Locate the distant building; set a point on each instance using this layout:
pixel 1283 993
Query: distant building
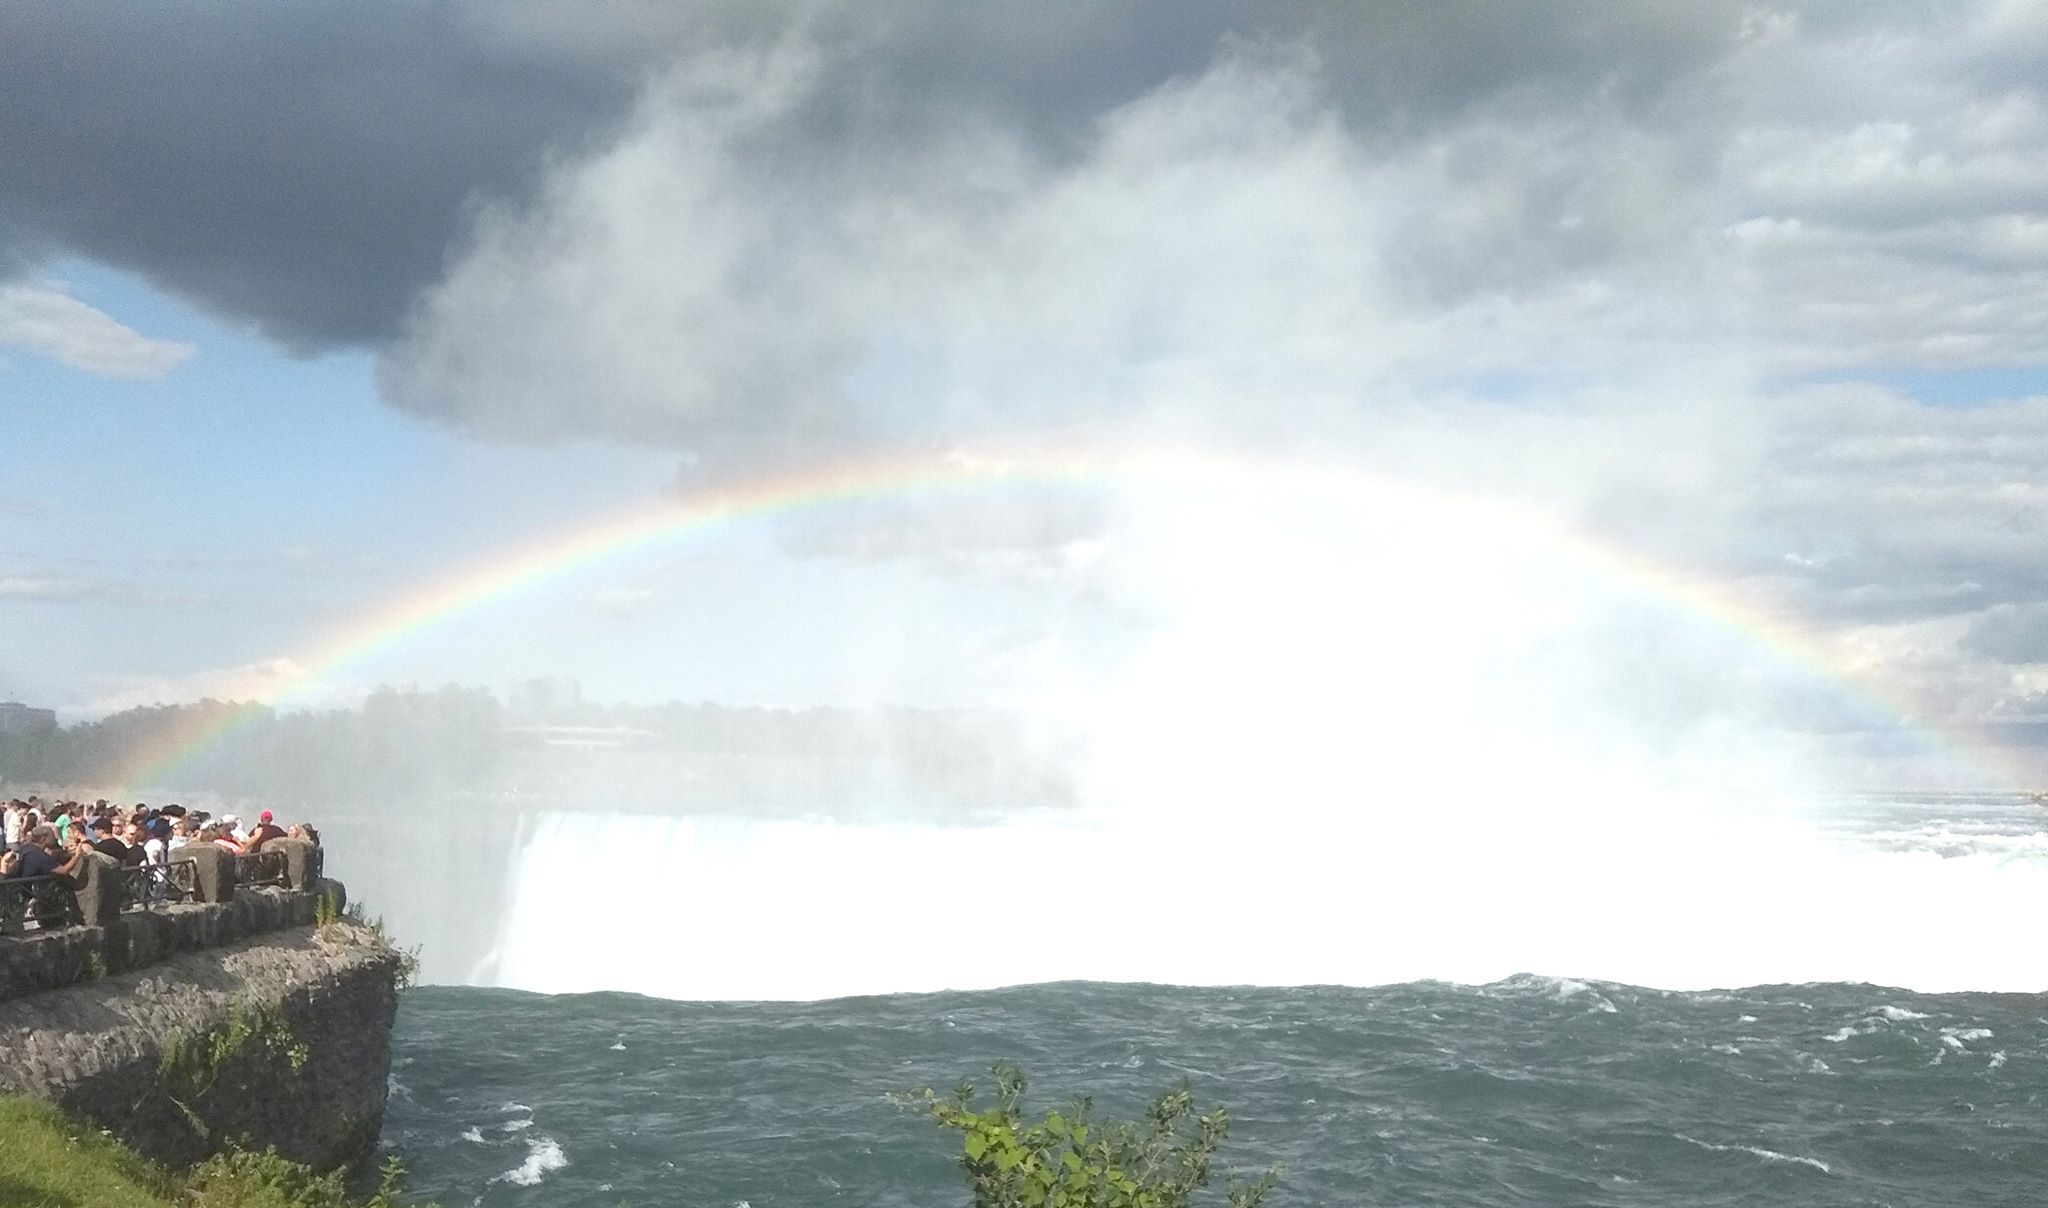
pixel 543 698
pixel 17 718
pixel 585 738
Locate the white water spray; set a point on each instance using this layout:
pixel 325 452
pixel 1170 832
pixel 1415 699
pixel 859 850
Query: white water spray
pixel 1370 745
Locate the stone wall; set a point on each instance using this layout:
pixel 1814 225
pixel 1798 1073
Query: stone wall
pixel 115 941
pixel 236 1018
pixel 282 1039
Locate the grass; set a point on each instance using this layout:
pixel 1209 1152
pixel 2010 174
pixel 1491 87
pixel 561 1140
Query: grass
pixel 49 1161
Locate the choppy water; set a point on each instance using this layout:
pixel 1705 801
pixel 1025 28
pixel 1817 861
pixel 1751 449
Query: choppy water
pixel 1527 1092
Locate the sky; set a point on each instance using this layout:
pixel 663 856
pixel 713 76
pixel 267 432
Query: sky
pixel 1664 371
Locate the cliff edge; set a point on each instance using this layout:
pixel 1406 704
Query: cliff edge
pixel 280 1040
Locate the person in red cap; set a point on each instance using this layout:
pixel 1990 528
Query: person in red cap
pixel 265 831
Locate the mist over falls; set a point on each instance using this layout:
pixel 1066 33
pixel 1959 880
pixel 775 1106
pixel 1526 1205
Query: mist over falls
pixel 728 907
pixel 1354 744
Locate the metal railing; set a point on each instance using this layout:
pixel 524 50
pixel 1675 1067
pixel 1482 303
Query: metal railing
pixel 148 886
pixel 45 903
pixel 263 868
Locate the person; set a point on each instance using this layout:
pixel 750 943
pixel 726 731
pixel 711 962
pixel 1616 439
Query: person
pixel 134 838
pixel 104 842
pixel 157 847
pixel 181 833
pixel 39 854
pixel 265 831
pixel 155 853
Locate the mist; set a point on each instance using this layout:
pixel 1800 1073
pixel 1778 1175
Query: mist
pixel 1433 494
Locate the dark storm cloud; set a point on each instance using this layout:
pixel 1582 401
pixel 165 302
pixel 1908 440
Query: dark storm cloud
pixel 309 167
pixel 301 166
pixel 2010 633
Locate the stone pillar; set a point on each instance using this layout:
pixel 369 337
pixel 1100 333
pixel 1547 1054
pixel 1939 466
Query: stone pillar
pixel 213 869
pixel 301 862
pixel 98 888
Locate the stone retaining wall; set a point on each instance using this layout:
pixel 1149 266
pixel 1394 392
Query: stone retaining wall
pixel 278 1040
pixel 115 941
pixel 232 1019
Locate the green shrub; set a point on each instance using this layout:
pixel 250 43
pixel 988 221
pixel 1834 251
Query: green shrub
pixel 408 958
pixel 241 1179
pixel 1070 1160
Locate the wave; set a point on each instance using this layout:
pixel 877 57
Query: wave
pixel 1768 1155
pixel 542 1156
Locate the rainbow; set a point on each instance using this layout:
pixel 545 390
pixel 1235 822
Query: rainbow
pixel 564 554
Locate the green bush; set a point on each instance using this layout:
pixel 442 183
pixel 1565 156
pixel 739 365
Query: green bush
pixel 241 1179
pixel 1070 1160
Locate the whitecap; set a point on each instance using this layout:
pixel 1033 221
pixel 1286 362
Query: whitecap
pixel 1768 1155
pixel 473 1133
pixel 1956 1038
pixel 1899 1014
pixel 620 1047
pixel 1729 1049
pixel 1844 1034
pixel 542 1156
pixel 1997 1059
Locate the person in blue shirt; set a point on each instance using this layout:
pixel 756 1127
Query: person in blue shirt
pixel 39 856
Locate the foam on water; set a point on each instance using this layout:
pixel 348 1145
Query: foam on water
pixel 1768 1155
pixel 542 1156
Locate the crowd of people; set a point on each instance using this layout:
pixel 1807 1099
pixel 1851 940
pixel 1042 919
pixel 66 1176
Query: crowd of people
pixel 50 838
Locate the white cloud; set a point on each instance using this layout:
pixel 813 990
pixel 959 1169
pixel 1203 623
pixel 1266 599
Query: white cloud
pixel 1562 295
pixel 43 587
pixel 1231 250
pixel 60 588
pixel 265 680
pixel 56 325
